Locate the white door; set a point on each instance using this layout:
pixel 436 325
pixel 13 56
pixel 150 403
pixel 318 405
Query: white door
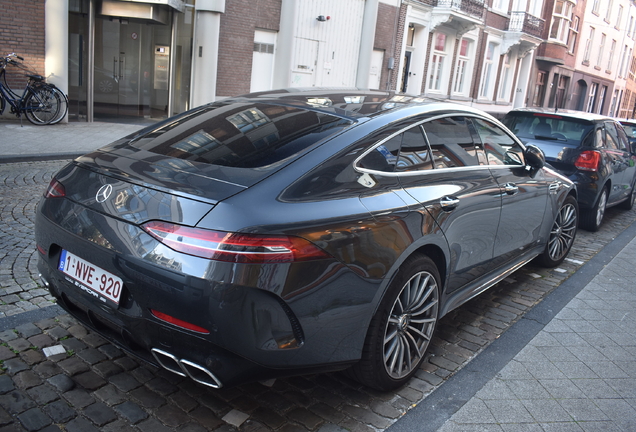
pixel 263 60
pixel 304 69
pixel 375 74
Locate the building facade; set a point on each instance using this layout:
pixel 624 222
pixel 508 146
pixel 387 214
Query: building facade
pixel 138 59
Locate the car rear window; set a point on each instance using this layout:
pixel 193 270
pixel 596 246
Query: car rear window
pixel 548 127
pixel 241 134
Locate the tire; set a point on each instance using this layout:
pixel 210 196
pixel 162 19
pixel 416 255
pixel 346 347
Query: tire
pixel 402 328
pixel 562 234
pixel 42 106
pixel 628 204
pixel 591 218
pixel 63 105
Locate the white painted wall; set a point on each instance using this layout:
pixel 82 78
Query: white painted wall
pixel 56 44
pixel 326 53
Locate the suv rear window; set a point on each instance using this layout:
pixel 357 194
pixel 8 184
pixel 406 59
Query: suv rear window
pixel 241 135
pixel 548 127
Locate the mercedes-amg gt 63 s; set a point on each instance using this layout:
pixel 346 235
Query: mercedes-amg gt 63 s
pixel 294 232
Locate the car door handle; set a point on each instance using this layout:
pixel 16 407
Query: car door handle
pixel 510 188
pixel 449 203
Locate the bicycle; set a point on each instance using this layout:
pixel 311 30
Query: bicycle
pixel 41 102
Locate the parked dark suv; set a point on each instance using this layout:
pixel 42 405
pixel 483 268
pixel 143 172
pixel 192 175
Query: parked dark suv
pixel 286 233
pixel 590 149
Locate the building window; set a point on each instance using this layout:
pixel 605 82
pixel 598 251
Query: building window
pixel 504 81
pixel 539 89
pixel 619 18
pixel 608 12
pixel 601 100
pixel 588 46
pixel 629 28
pixel 487 75
pixel 601 48
pixel 595 6
pixel 574 35
pixel 461 80
pixel 611 56
pixel 591 98
pixel 500 5
pixel 437 63
pixel 561 20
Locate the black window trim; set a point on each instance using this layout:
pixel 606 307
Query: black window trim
pixel 362 170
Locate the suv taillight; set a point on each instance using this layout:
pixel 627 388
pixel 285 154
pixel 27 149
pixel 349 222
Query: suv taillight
pixel 588 160
pixel 55 190
pixel 234 247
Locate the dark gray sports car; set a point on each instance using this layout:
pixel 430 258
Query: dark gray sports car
pixel 288 233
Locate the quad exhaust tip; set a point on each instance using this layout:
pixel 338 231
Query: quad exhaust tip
pixel 186 368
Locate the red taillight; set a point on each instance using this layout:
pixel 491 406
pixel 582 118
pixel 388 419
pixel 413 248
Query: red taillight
pixel 234 247
pixel 180 323
pixel 55 190
pixel 588 160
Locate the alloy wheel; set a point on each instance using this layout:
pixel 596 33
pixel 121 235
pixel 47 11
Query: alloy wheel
pixel 600 208
pixel 411 325
pixel 563 232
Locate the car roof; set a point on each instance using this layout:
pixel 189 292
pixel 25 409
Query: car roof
pixel 564 113
pixel 352 103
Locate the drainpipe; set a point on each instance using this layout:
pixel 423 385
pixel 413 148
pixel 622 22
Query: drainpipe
pixel 367 39
pixel 285 45
pixel 56 44
pixel 205 59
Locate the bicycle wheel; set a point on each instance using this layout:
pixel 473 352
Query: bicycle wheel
pixel 42 105
pixel 63 104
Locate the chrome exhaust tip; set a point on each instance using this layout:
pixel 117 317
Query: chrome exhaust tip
pixel 184 368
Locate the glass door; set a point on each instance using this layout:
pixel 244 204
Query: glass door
pixel 122 69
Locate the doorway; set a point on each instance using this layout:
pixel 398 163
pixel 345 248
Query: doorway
pixel 131 69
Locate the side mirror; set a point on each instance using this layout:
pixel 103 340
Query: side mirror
pixel 535 157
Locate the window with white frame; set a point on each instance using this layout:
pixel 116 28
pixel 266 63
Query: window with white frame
pixel 608 11
pixel 629 28
pixel 504 81
pixel 561 20
pixel 596 6
pixel 610 60
pixel 619 18
pixel 534 8
pixel 601 48
pixel 588 46
pixel 461 81
pixel 436 66
pixel 591 98
pixel 601 100
pixel 574 35
pixel 629 56
pixel 488 71
pixel 500 5
pixel 621 68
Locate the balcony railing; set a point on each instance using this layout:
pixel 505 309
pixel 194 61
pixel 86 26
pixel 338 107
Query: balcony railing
pixel 473 8
pixel 526 23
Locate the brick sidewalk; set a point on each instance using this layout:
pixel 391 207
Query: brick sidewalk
pixel 95 386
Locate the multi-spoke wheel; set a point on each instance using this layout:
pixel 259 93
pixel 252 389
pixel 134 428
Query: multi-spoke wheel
pixel 401 330
pixel 562 234
pixel 591 218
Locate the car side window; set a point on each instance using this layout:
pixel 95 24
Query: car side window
pixel 611 137
pixel 453 143
pixel 500 148
pixel 384 157
pixel 415 154
pixel 623 141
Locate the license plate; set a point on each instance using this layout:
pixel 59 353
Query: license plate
pixel 90 278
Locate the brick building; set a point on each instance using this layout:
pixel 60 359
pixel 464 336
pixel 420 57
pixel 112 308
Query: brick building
pixel 121 59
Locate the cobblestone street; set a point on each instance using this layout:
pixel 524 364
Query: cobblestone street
pixel 92 385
